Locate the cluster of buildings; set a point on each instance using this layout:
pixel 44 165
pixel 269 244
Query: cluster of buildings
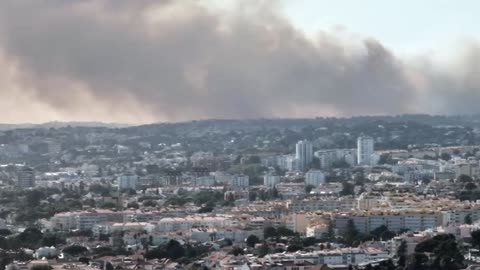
pixel 313 192
pixel 309 217
pixel 303 158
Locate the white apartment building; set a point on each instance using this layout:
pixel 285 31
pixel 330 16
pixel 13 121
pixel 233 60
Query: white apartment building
pixel 297 222
pixel 470 168
pixel 413 239
pixel 369 201
pixel 343 256
pixel 237 235
pixel 290 163
pixel 314 178
pixel 240 182
pixel 322 204
pixel 365 150
pixel 271 180
pixel 84 220
pixel 457 216
pixel 3 224
pixel 26 178
pixel 394 221
pixel 205 181
pixel 328 157
pixel 222 177
pixel 127 181
pixel 303 155
pixel 64 221
pixel 286 162
pixel 187 223
pixel 318 231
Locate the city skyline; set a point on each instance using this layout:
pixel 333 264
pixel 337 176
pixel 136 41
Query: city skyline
pixel 324 193
pixel 145 62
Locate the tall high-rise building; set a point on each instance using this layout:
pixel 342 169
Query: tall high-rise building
pixel 304 155
pixel 365 151
pixel 26 178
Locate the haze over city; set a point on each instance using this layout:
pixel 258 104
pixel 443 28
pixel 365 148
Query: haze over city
pixel 151 61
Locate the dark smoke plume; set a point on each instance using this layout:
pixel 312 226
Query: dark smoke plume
pixel 143 61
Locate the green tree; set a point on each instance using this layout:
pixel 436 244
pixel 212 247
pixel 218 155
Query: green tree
pixel 470 186
pixel 254 160
pixel 269 232
pixel 347 189
pixel 382 233
pixel 104 237
pixel 294 247
pixel 445 252
pixel 426 180
pixel 109 205
pixel 172 201
pixel 274 193
pixel 402 254
pixel 340 164
pixel 252 196
pixel 5 232
pixel 283 231
pixel 351 233
pixel 33 197
pixel 205 209
pixel 157 253
pixel 204 197
pixel 252 240
pixel 446 156
pixel 476 238
pixel 463 178
pixel 153 169
pixel 75 250
pixel 315 163
pixel 468 219
pixel 263 250
pixel 447 256
pixel 30 238
pixel 99 189
pixel 50 240
pixel 236 251
pixel 133 205
pixel 309 241
pixel 174 249
pixel 308 189
pixel 262 195
pixel 230 199
pixel 420 262
pixel 331 230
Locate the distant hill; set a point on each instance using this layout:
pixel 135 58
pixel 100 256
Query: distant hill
pixel 226 125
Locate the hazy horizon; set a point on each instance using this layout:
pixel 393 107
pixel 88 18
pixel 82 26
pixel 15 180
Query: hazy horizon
pixel 120 124
pixel 137 62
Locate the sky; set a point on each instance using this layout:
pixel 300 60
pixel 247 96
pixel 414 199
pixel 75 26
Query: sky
pixel 163 60
pixel 408 26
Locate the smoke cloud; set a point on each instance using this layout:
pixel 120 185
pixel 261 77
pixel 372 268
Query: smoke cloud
pixel 146 61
